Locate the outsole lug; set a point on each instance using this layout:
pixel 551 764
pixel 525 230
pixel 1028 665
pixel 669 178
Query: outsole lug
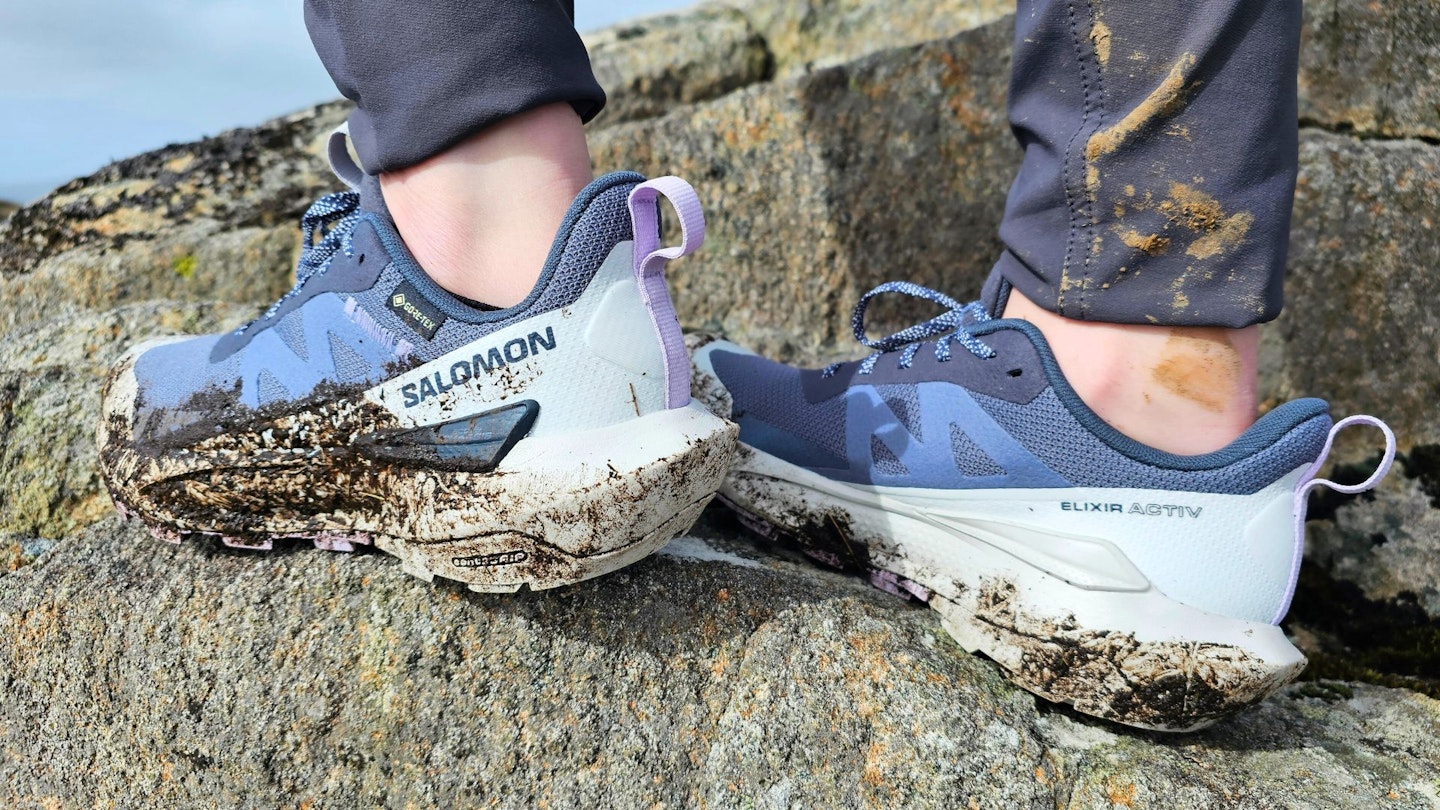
pixel 481 588
pixel 336 542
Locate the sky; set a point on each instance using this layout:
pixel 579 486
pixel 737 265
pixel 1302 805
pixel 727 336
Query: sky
pixel 86 82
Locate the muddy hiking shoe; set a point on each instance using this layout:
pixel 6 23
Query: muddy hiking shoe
pixel 536 446
pixel 957 466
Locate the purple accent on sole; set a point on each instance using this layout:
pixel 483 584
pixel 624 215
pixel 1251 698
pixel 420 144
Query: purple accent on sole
pixel 650 261
pixel 331 541
pixel 893 583
pixel 165 535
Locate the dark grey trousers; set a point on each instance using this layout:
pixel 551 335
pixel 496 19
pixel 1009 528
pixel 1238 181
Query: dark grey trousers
pixel 426 75
pixel 1160 136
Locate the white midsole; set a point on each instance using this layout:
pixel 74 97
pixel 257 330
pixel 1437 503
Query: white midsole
pixel 961 544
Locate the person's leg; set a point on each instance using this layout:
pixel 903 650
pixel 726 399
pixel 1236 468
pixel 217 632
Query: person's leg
pixel 473 239
pixel 1146 232
pixel 472 119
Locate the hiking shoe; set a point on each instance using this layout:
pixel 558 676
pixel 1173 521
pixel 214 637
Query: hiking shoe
pixel 538 445
pixel 956 465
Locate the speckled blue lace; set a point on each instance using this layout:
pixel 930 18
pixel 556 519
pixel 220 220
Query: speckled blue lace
pixel 950 327
pixel 334 215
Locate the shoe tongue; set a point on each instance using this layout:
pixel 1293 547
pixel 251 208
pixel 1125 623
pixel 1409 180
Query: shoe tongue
pixel 372 200
pixel 994 294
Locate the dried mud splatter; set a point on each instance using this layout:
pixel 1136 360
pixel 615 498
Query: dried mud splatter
pixel 1167 685
pixel 1100 40
pixel 1202 367
pixel 1166 100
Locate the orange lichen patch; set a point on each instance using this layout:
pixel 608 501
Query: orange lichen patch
pixel 1164 101
pixel 1152 243
pixel 128 221
pixel 179 164
pixel 1181 302
pixel 1122 795
pixel 1100 38
pixel 1129 190
pixel 1202 366
pixel 872 775
pixel 957 79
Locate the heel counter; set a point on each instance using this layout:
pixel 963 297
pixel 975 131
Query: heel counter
pixel 1275 539
pixel 650 259
pixel 620 334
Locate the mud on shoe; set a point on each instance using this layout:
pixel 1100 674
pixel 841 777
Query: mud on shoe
pixel 957 466
pixel 536 446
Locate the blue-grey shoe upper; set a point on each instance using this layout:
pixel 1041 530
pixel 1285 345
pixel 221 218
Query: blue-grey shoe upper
pixel 958 419
pixel 366 312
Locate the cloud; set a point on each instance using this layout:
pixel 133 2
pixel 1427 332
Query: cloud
pixel 85 81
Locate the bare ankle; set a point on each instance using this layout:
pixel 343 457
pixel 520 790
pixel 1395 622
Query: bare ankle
pixel 1184 390
pixel 481 216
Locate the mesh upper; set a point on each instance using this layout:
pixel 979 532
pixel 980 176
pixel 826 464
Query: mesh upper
pixel 969 458
pixel 1047 433
pixel 772 393
pixel 354 337
pixel 1052 434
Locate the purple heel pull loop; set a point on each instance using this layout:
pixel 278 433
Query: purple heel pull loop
pixel 337 149
pixel 650 260
pixel 1309 482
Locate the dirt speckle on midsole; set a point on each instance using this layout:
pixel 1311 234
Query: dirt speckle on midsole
pixel 1159 684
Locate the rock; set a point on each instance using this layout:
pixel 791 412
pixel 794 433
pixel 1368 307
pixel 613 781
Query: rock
pixel 714 674
pixel 836 152
pixel 1388 544
pixel 1358 325
pixel 7 208
pixel 50 379
pixel 812 196
pixel 211 220
pixel 650 64
pixel 811 34
pixel 1372 68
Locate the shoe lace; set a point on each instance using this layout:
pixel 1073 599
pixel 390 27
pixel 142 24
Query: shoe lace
pixel 332 219
pixel 952 326
pixel 335 216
